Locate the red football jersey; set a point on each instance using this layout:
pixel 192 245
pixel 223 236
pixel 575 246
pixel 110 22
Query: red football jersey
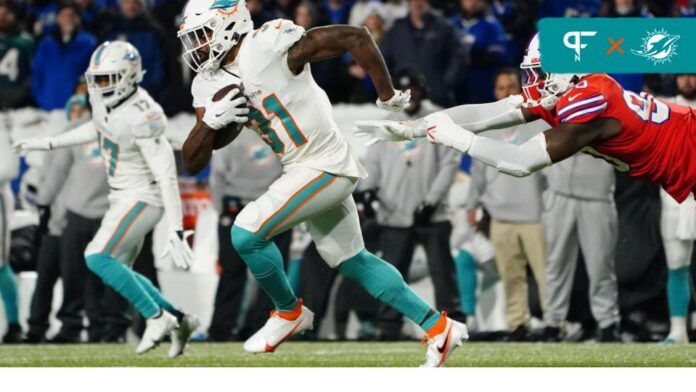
pixel 657 141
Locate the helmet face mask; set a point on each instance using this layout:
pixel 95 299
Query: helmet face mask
pixel 539 87
pixel 114 72
pixel 210 30
pixel 198 53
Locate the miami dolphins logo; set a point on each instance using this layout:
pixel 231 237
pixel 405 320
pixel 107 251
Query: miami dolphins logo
pixel 658 46
pixel 223 6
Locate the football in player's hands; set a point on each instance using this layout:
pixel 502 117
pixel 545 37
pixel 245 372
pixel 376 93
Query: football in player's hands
pixel 220 94
pixel 227 133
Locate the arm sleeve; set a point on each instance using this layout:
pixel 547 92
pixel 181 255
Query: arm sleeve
pixel 495 115
pixel 512 159
pixel 447 169
pixel 55 171
pixel 477 185
pixel 586 105
pixel 159 157
pixel 9 162
pixel 85 133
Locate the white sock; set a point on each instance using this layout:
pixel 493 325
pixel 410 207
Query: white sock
pixel 677 326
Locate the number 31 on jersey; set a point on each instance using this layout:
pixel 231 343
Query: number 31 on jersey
pixel 274 107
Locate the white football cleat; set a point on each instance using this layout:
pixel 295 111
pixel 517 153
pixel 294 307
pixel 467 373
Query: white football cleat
pixel 155 330
pixel 442 345
pixel 180 336
pixel 278 329
pixel 676 340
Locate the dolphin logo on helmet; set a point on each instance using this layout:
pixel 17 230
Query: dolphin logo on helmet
pixel 210 29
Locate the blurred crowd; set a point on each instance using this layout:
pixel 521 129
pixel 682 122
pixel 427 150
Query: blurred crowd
pixel 457 44
pixel 576 248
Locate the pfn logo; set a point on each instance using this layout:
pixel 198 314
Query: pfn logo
pixel 573 40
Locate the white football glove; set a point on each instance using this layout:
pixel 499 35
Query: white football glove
pixel 441 129
pixel 393 131
pixel 32 144
pixel 230 109
pixel 397 103
pixel 178 249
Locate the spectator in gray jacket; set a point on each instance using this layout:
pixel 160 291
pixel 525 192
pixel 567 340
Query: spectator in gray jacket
pixel 411 180
pixel 516 232
pixel 240 173
pixel 429 43
pixel 580 215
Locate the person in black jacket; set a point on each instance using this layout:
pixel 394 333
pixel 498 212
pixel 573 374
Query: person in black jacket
pixel 428 43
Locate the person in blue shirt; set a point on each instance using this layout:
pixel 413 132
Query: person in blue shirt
pixel 484 41
pixel 60 59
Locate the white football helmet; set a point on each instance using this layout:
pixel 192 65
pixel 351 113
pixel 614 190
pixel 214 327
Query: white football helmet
pixel 215 24
pixel 539 87
pixel 114 72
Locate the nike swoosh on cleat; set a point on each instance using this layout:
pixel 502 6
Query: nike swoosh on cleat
pixel 270 349
pixel 444 349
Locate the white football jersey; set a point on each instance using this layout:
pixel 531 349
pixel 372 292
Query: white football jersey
pixel 291 113
pixel 137 118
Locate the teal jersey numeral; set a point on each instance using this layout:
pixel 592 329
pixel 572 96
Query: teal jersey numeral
pixel 113 149
pixel 271 138
pixel 273 106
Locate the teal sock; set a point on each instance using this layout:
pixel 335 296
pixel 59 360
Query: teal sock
pixel 678 291
pixel 385 283
pixel 465 269
pixel 120 278
pixel 8 291
pixel 157 296
pixel 265 262
pixel 294 274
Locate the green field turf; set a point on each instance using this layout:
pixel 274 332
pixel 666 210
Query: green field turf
pixel 354 354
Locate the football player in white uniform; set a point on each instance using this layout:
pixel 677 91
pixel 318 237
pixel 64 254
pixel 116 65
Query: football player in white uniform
pixel 283 104
pixel 141 170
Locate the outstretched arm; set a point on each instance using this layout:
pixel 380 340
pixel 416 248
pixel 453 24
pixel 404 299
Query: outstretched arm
pixel 500 114
pixel 85 133
pixel 554 145
pixel 476 118
pixel 322 43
